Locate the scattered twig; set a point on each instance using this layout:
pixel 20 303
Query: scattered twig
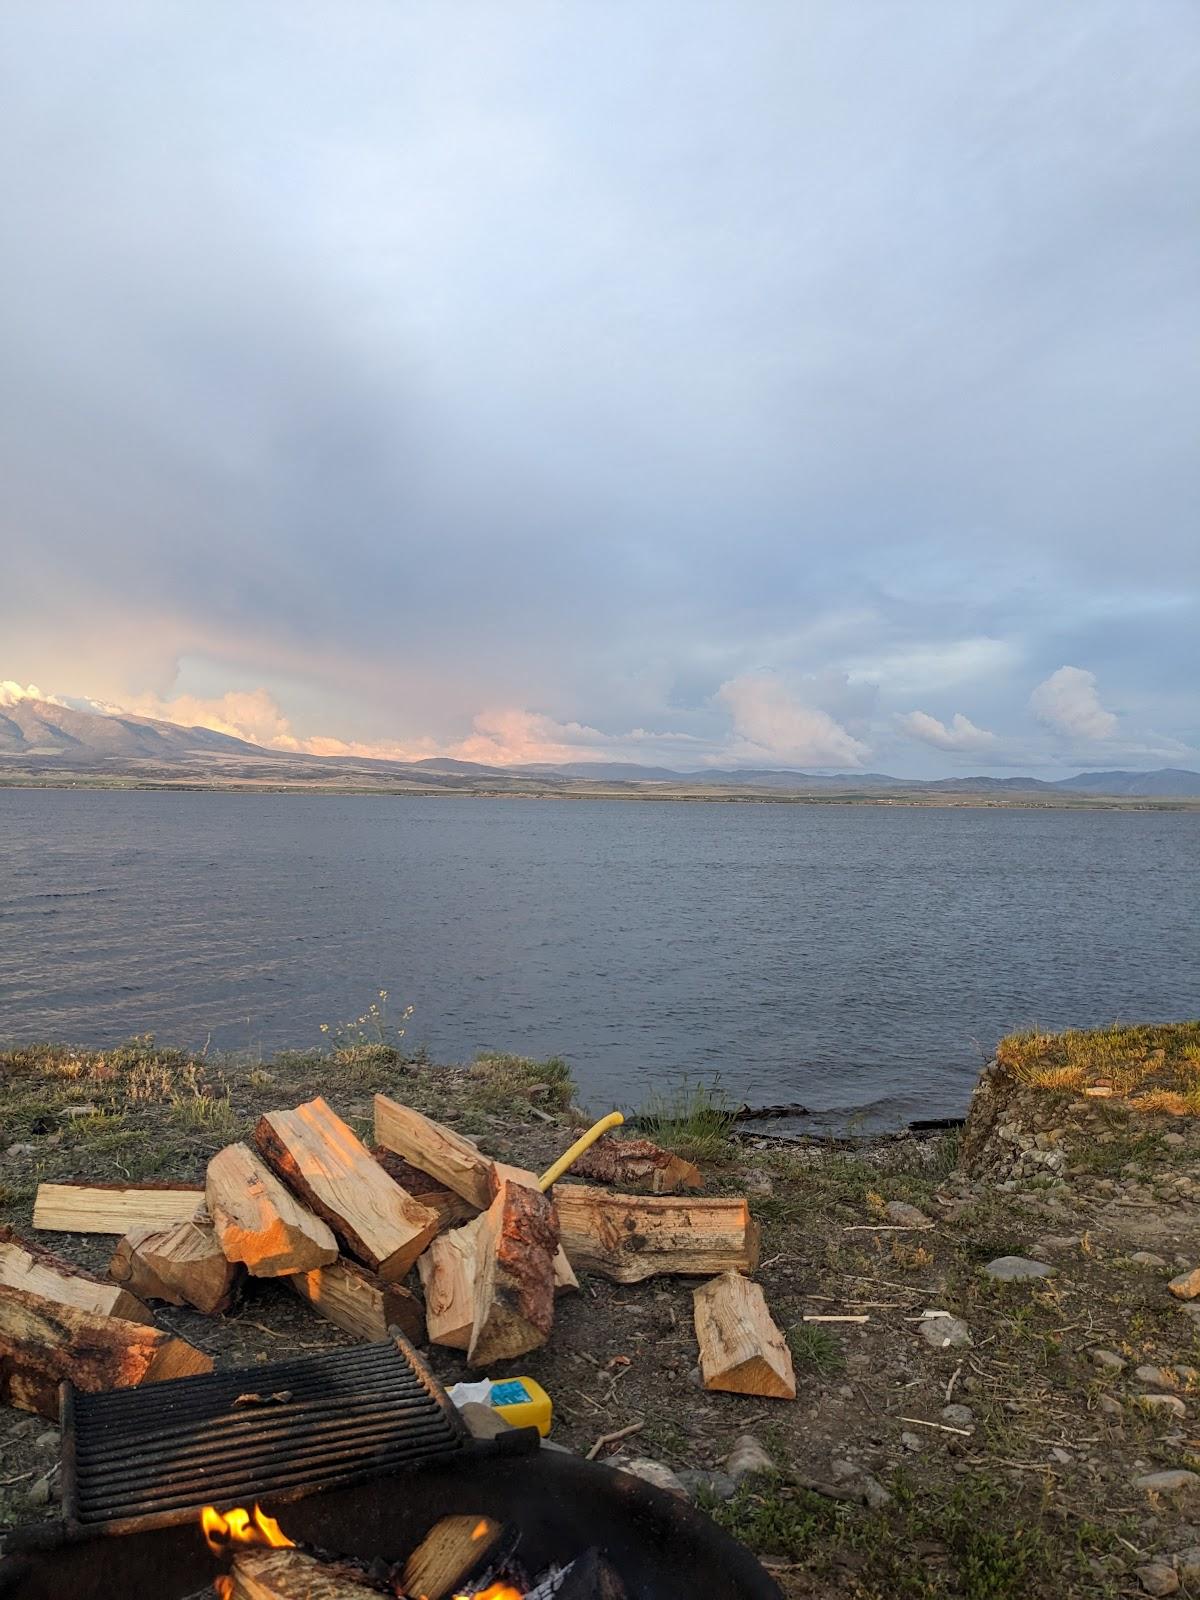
pixel 812 1316
pixel 612 1438
pixel 942 1427
pixel 889 1227
pixel 953 1381
pixel 20 1478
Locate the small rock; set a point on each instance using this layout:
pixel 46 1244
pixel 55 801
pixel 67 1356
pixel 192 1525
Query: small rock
pixel 943 1331
pixel 653 1472
pixel 912 1441
pixel 1059 1241
pixel 839 1471
pixel 1146 1258
pixel 1154 1376
pixel 1174 1141
pixel 1061 1455
pixel 39 1493
pixel 747 1456
pixel 1176 1480
pixel 1164 1402
pixel 1109 1360
pixel 1187 1285
pixel 756 1181
pixel 86 1110
pixel 906 1216
pixel 21 1150
pixel 1158 1578
pixel 1187 1374
pixel 958 1416
pixel 874 1494
pixel 1187 1564
pixel 695 1378
pixel 846 1392
pixel 47 1440
pixel 1017 1269
pixel 697 1482
pixel 1109 1407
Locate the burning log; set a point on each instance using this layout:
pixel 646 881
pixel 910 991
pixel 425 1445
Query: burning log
pixel 183 1265
pixel 449 1555
pixel 43 1341
pixel 447 1272
pixel 112 1207
pixel 513 1299
pixel 38 1271
pixel 630 1237
pixel 292 1575
pixel 741 1348
pixel 435 1149
pixel 314 1151
pixel 359 1302
pixel 258 1221
pixel 589 1577
pixel 632 1162
pixel 451 1208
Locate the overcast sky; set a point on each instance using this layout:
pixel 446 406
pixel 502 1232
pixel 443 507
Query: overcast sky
pixel 812 383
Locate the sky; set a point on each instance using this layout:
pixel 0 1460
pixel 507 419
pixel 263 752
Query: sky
pixel 809 384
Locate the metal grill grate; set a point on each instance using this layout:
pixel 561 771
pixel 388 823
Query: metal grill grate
pixel 155 1455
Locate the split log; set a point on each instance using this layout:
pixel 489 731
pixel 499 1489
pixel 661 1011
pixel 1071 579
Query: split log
pixel 515 1246
pixel 314 1151
pixel 451 1208
pixel 293 1575
pixel 742 1350
pixel 435 1149
pixel 451 1552
pixel 565 1281
pixel 112 1207
pixel 359 1302
pixel 183 1265
pixel 633 1162
pixel 42 1342
pixel 630 1237
pixel 38 1271
pixel 447 1271
pixel 259 1221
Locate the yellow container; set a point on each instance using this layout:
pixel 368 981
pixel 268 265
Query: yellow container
pixel 523 1403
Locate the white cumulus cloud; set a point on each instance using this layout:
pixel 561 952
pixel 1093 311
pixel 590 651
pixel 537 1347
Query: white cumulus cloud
pixel 1068 702
pixel 961 734
pixel 770 725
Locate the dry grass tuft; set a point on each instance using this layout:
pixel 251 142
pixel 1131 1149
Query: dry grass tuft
pixel 1156 1068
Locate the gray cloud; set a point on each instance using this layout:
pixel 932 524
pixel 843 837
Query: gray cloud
pixel 419 361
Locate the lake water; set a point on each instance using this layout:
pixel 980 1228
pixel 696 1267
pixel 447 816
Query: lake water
pixel 856 958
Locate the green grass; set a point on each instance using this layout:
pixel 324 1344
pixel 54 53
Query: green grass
pixel 499 1080
pixel 815 1348
pixel 695 1122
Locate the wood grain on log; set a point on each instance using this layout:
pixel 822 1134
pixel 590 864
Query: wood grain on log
pixel 183 1264
pixel 741 1348
pixel 630 1237
pixel 112 1207
pixel 28 1266
pixel 259 1221
pixel 293 1575
pixel 447 1272
pixel 451 1208
pixel 433 1148
pixel 452 1550
pixel 514 1275
pixel 633 1162
pixel 359 1302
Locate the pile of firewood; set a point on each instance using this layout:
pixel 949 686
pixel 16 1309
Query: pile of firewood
pixel 343 1226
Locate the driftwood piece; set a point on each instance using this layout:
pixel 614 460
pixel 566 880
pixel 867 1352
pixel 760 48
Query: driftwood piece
pixel 515 1246
pixel 631 1163
pixel 447 1272
pixel 259 1221
pixel 321 1158
pixel 42 1342
pixel 630 1237
pixel 293 1575
pixel 433 1148
pixel 450 1553
pixel 741 1348
pixel 359 1302
pixel 112 1207
pixel 38 1271
pixel 451 1208
pixel 183 1264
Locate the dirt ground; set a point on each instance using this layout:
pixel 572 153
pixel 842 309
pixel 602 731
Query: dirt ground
pixel 1031 1490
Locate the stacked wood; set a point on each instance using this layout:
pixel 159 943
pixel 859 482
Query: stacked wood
pixel 38 1271
pixel 183 1264
pixel 447 1272
pixel 741 1348
pixel 632 1163
pixel 359 1302
pixel 514 1275
pixel 292 1575
pixel 630 1237
pixel 43 1341
pixel 438 1150
pixel 319 1157
pixel 259 1222
pixel 112 1207
pixel 448 1556
pixel 451 1208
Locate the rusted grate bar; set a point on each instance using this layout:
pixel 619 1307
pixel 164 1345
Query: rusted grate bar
pixel 143 1457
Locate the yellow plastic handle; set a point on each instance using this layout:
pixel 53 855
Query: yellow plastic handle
pixel 551 1175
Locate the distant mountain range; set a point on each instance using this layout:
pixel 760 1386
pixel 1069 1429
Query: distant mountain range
pixel 39 740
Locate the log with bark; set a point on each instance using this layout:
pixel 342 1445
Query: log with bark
pixel 43 1341
pixel 359 1302
pixel 513 1298
pixel 183 1264
pixel 259 1221
pixel 451 1208
pixel 447 1272
pixel 741 1348
pixel 433 1148
pixel 112 1207
pixel 31 1267
pixel 294 1575
pixel 630 1237
pixel 632 1163
pixel 450 1554
pixel 591 1576
pixel 321 1158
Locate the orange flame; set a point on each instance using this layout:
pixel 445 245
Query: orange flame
pixel 494 1591
pixel 239 1527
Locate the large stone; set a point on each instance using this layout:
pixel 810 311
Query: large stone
pixel 1017 1269
pixel 1157 1578
pixel 904 1215
pixel 1170 1403
pixel 1176 1480
pixel 1187 1285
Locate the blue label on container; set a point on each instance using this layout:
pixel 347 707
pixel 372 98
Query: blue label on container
pixel 512 1393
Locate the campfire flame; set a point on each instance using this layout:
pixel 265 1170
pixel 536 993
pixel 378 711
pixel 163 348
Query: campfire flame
pixel 240 1527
